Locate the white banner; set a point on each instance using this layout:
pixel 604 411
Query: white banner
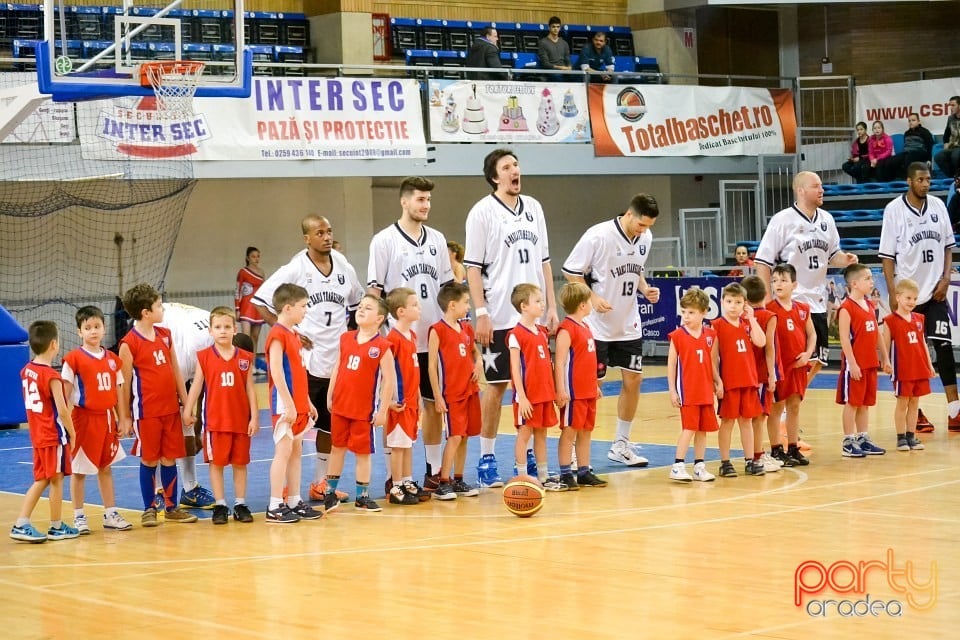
pixel 892 103
pixel 472 110
pixel 663 120
pixel 284 119
pixel 50 122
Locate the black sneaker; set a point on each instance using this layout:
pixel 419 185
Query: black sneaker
pixel 241 513
pixel 431 482
pixel 416 490
pixel 727 470
pixel 398 496
pixel 589 479
pixel 445 492
pixel 221 513
pixel 461 488
pixel 281 515
pixel 366 503
pixel 306 512
pixel 779 454
pixel 798 459
pixel 570 480
pixel 387 485
pixel 753 468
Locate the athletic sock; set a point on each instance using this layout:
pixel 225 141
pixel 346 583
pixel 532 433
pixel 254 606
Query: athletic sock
pixel 623 429
pixel 147 484
pixel 487 445
pixel 77 513
pixel 188 473
pixel 221 503
pixel 564 469
pixel 320 471
pixel 239 501
pixel 434 455
pixel 362 489
pixel 275 503
pixel 332 482
pixel 168 476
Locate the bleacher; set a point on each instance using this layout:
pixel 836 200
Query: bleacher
pixel 206 35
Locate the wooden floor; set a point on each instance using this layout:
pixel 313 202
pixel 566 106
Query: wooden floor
pixel 645 557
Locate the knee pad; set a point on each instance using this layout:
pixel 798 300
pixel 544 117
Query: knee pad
pixel 946 363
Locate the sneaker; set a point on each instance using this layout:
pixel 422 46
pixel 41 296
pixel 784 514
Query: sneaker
pixel 445 492
pixel 281 515
pixel 179 515
pixel 851 449
pixel 781 457
pixel 914 443
pixel 869 447
pixel 755 468
pixel 570 480
pixel 622 452
pixel 159 502
pixel 923 423
pixel 366 503
pixel 331 501
pixel 798 459
pixel 431 482
pixel 461 488
pixel 116 522
pixel 726 469
pixel 398 496
pixel 241 513
pixel 27 533
pixel 953 425
pixel 902 444
pixel 487 472
pixel 221 514
pixel 701 474
pixel 770 464
pixel 80 524
pixel 416 490
pixel 553 483
pixel 531 464
pixel 197 498
pixel 588 479
pixel 679 473
pixel 318 492
pixel 63 532
pixel 149 517
pixel 306 512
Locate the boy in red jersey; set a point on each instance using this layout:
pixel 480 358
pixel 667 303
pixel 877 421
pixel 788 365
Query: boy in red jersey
pixel 532 373
pixel 293 412
pixel 91 376
pixel 912 367
pixel 401 428
pixel 737 332
pixel 768 372
pixel 455 367
pixel 224 374
pixel 797 339
pixel 365 371
pixel 149 402
pixel 575 373
pixel 857 382
pixel 51 434
pixel 694 382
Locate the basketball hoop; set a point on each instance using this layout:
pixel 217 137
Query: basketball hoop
pixel 174 82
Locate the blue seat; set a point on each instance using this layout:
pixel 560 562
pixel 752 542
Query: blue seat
pixel 897 142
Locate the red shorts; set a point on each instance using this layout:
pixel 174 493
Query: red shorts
pixel 544 416
pixel 157 438
pixel 353 435
pixel 794 382
pixel 579 414
pixel 296 430
pixel 911 388
pixel 223 448
pixel 743 402
pixel 98 443
pixel 406 420
pixel 463 417
pixel 857 393
pixel 766 399
pixel 698 417
pixel 49 461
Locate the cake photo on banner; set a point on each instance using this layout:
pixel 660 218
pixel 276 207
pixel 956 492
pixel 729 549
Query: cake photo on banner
pixel 512 118
pixel 451 122
pixel 547 121
pixel 474 118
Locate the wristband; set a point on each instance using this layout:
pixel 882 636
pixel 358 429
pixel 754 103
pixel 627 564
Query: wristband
pixel 482 311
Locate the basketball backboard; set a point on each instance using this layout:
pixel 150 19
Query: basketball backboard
pixel 91 52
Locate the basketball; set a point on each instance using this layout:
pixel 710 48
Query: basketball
pixel 523 496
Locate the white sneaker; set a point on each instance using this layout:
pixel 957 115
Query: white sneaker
pixel 116 522
pixel 622 452
pixel 701 474
pixel 770 464
pixel 80 524
pixel 679 473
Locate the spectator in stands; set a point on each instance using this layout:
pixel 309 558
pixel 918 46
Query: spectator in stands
pixel 917 145
pixel 485 54
pixel 949 158
pixel 596 58
pixel 953 202
pixel 857 165
pixel 744 262
pixel 553 51
pixel 880 147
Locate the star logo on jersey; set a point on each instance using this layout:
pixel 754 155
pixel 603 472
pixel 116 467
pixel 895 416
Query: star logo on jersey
pixel 490 359
pixel 374 352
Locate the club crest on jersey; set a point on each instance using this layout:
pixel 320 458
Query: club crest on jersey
pixel 823 226
pixel 528 216
pixel 244 364
pixel 374 352
pixel 709 341
pixel 642 249
pixel 340 278
pixel 433 249
pixel 112 364
pixel 933 218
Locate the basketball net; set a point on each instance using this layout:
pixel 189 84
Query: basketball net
pixel 174 82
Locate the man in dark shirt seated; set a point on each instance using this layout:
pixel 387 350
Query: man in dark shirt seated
pixel 485 54
pixel 596 58
pixel 553 51
pixel 917 147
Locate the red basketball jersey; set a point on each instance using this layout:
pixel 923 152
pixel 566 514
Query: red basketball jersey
pixel 225 405
pixel 294 373
pixel 46 430
pixel 694 365
pixel 247 284
pixel 95 378
pixel 581 371
pixel 153 387
pixel 455 355
pixel 791 330
pixel 407 365
pixel 355 395
pixel 908 352
pixel 536 369
pixel 738 365
pixel 864 335
pixel 764 316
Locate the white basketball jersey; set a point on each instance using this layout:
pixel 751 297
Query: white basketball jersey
pixel 331 296
pixel 421 264
pixel 612 265
pixel 510 248
pixel 190 329
pixel 916 240
pixel 807 244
